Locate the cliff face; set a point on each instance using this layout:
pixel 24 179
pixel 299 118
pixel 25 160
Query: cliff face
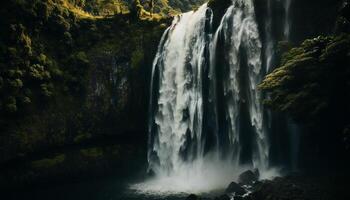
pixel 74 80
pixel 311 85
pixel 73 86
pixel 308 19
pixel 304 85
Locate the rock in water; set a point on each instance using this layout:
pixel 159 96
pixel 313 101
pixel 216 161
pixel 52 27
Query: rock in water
pixel 223 197
pixel 150 173
pixel 257 173
pixel 235 188
pixel 193 197
pixel 248 177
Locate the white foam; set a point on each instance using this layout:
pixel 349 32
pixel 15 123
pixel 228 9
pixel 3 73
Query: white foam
pixel 200 176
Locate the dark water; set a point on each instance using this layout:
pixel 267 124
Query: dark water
pixel 91 190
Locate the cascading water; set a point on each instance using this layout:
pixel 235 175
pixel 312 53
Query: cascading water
pixel 207 121
pixel 239 32
pixel 273 26
pixel 277 27
pixel 269 47
pixel 292 127
pixel 201 107
pixel 179 114
pixel 287 22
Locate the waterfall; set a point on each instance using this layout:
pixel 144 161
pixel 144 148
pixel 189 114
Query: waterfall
pixel 287 22
pixel 269 47
pixel 191 91
pixel 292 127
pixel 206 116
pixel 176 124
pixel 240 33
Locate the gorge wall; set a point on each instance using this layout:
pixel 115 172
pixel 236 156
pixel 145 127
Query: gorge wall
pixel 74 81
pixel 206 108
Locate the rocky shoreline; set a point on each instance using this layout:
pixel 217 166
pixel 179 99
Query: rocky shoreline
pixel 291 187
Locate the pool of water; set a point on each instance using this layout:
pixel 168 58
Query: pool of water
pixel 209 182
pixel 101 190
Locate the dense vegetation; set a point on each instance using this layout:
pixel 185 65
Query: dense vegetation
pixel 312 80
pixel 110 7
pixel 312 85
pixel 68 77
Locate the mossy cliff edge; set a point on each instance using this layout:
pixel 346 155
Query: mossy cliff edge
pixel 74 78
pixel 311 84
pixel 73 89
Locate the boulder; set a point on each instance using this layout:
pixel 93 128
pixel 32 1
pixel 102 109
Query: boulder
pixel 257 184
pixel 248 177
pixel 150 173
pixel 235 188
pixel 193 197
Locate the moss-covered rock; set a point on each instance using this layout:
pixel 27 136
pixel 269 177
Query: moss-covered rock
pixel 92 152
pixel 111 7
pixel 309 76
pixel 74 164
pixel 67 76
pixel 48 162
pixel 312 85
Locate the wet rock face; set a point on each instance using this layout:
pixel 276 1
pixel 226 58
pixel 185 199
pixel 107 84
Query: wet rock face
pixel 293 187
pixel 219 8
pixel 109 83
pixel 280 188
pixel 343 21
pixel 248 181
pixel 248 177
pixel 235 188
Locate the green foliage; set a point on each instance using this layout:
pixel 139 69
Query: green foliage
pixel 136 58
pixel 10 104
pixel 26 70
pixel 48 162
pixel 65 74
pixel 82 137
pixel 110 7
pixel 92 152
pixel 313 84
pixel 136 9
pixel 102 7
